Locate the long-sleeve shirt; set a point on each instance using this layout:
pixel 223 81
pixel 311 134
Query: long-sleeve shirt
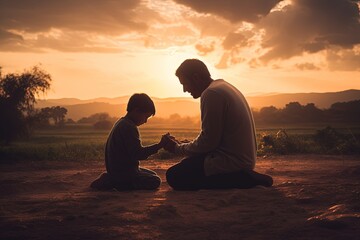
pixel 124 149
pixel 227 134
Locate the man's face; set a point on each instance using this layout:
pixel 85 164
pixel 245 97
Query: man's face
pixel 190 86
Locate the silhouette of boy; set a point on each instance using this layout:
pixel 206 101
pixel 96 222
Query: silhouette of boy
pixel 124 150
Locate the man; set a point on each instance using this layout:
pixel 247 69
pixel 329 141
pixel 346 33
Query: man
pixel 223 154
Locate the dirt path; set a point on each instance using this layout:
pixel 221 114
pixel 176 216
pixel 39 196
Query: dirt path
pixel 314 197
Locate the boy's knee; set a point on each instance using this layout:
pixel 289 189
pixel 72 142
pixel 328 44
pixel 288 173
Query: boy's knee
pixel 103 182
pixel 149 184
pixel 155 183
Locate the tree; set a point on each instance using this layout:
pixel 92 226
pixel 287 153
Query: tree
pixel 269 114
pixel 293 112
pixel 17 99
pixel 312 113
pixel 57 114
pixel 95 118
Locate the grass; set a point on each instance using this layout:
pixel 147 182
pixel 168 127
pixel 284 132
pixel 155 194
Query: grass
pixel 84 143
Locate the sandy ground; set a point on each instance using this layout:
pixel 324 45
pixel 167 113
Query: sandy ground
pixel 313 197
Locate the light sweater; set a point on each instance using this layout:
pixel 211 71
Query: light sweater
pixel 227 134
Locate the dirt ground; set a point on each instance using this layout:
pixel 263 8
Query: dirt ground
pixel 313 197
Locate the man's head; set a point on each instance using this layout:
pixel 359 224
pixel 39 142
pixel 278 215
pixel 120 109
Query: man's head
pixel 194 76
pixel 140 107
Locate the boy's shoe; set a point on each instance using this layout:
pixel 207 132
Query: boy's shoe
pixel 103 182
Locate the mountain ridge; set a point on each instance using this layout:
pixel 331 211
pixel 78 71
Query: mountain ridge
pixel 186 106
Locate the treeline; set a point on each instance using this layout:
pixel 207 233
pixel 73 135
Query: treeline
pixel 105 121
pixel 294 112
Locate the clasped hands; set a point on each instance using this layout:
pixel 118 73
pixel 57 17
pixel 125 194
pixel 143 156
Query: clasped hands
pixel 169 142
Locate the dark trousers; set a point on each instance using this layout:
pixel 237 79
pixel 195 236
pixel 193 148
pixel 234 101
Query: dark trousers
pixel 189 175
pixel 143 179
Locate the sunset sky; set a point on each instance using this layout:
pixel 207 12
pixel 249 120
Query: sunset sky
pixel 112 48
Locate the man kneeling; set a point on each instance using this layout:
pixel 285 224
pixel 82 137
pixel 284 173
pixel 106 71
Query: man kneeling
pixel 224 153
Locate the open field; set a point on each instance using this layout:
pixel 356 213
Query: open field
pixel 313 197
pixel 83 142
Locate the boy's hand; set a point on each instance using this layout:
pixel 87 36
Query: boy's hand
pixel 164 139
pixel 174 139
pixel 168 142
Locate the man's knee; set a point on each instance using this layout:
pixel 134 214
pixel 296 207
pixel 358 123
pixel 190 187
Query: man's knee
pixel 178 180
pixel 171 178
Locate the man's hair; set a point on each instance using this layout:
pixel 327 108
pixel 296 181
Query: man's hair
pixel 192 66
pixel 142 102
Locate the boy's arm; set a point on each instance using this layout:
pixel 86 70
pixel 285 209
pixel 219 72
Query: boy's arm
pixel 145 152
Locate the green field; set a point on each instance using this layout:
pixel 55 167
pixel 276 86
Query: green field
pixel 81 142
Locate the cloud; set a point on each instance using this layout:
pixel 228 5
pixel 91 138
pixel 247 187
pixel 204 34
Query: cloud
pixel 25 25
pixel 235 40
pixel 310 26
pixel 205 48
pixel 106 16
pixel 262 32
pixel 169 35
pixel 210 25
pixel 233 10
pixel 223 64
pixel 12 42
pixel 345 60
pixel 306 66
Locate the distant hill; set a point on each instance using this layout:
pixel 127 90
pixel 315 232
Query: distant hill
pixel 117 100
pixel 321 100
pixel 189 107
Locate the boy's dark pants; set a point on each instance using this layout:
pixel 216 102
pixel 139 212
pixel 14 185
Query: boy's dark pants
pixel 144 179
pixel 189 175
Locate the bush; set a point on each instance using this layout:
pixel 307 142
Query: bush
pixel 281 143
pixel 325 141
pixel 333 142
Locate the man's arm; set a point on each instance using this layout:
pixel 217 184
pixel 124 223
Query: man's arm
pixel 213 108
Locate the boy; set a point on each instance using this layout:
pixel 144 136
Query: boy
pixel 124 150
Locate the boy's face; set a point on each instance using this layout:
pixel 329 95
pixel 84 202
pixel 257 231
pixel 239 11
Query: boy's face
pixel 141 117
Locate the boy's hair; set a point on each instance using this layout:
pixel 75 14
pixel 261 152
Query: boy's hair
pixel 142 102
pixel 191 66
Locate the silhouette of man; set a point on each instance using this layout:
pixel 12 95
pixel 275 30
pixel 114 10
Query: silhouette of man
pixel 223 155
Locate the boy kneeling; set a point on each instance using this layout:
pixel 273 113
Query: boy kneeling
pixel 124 150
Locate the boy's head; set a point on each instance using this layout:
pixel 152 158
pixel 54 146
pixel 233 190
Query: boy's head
pixel 140 107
